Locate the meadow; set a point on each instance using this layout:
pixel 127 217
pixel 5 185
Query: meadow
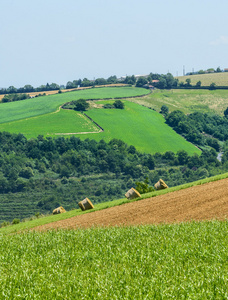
pixel 127 125
pixel 220 79
pixel 46 104
pixel 52 124
pixel 181 261
pixel 139 126
pixel 188 101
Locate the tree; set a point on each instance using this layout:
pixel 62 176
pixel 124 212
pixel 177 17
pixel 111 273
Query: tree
pixel 188 82
pixel 81 105
pixel 118 104
pixel 141 82
pixel 100 81
pixel 212 86
pixel 143 187
pixel 164 110
pixel 198 84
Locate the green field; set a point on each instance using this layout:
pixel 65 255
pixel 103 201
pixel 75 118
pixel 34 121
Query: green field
pixel 188 101
pixel 139 126
pixel 127 124
pixel 61 122
pixel 46 104
pixel 220 79
pixel 182 261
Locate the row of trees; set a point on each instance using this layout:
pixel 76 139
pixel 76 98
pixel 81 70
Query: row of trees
pixel 29 89
pixel 210 70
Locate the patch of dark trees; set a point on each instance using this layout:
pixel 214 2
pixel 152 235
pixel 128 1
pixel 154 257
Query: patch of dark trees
pixel 201 129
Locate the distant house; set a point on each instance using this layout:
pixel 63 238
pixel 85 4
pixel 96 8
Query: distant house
pixel 226 70
pixel 155 81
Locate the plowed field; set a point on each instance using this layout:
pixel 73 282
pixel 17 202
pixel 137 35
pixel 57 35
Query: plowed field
pixel 203 202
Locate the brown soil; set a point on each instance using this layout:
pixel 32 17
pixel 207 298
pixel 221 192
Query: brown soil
pixel 203 202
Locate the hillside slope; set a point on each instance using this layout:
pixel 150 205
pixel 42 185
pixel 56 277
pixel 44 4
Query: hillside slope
pixel 203 202
pixel 220 79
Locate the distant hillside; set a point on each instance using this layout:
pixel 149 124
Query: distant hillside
pixel 220 79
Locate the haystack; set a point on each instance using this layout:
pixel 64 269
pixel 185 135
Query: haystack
pixel 58 210
pixel 160 185
pixel 132 194
pixel 85 204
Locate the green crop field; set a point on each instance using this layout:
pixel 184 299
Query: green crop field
pixel 139 126
pixel 63 121
pixel 188 101
pixel 42 105
pixel 136 125
pixel 220 79
pixel 182 261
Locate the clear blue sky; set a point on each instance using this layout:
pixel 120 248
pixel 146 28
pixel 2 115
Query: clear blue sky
pixel 61 40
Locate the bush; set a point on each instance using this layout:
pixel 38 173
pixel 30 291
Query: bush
pixel 118 104
pixel 16 221
pixel 5 223
pixel 108 105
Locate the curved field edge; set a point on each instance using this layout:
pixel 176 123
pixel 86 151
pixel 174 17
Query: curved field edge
pixel 53 218
pixel 24 109
pixel 126 124
pixel 129 123
pixel 178 261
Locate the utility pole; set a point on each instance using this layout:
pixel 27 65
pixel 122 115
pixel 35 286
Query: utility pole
pixel 183 70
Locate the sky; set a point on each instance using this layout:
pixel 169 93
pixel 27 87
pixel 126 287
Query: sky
pixel 45 41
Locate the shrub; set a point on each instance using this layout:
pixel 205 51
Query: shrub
pixel 118 104
pixel 16 221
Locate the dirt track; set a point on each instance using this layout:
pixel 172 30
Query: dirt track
pixel 202 202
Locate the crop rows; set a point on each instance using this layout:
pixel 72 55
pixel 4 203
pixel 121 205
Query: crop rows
pixel 185 261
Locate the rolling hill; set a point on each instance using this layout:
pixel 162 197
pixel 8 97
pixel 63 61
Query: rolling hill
pixel 42 116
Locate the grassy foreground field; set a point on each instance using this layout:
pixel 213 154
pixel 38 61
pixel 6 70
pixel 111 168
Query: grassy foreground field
pixel 220 79
pixel 185 261
pixel 188 101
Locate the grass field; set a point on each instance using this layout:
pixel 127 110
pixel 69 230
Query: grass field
pixel 61 122
pixel 46 104
pixel 127 125
pixel 188 101
pixel 139 126
pixel 220 79
pixel 185 261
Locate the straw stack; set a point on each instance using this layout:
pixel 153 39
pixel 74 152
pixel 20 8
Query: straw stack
pixel 85 204
pixel 132 194
pixel 58 210
pixel 160 185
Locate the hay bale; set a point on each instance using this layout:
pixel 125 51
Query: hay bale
pixel 160 185
pixel 85 204
pixel 58 210
pixel 132 194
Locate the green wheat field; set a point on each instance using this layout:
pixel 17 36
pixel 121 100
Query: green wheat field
pixel 181 261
